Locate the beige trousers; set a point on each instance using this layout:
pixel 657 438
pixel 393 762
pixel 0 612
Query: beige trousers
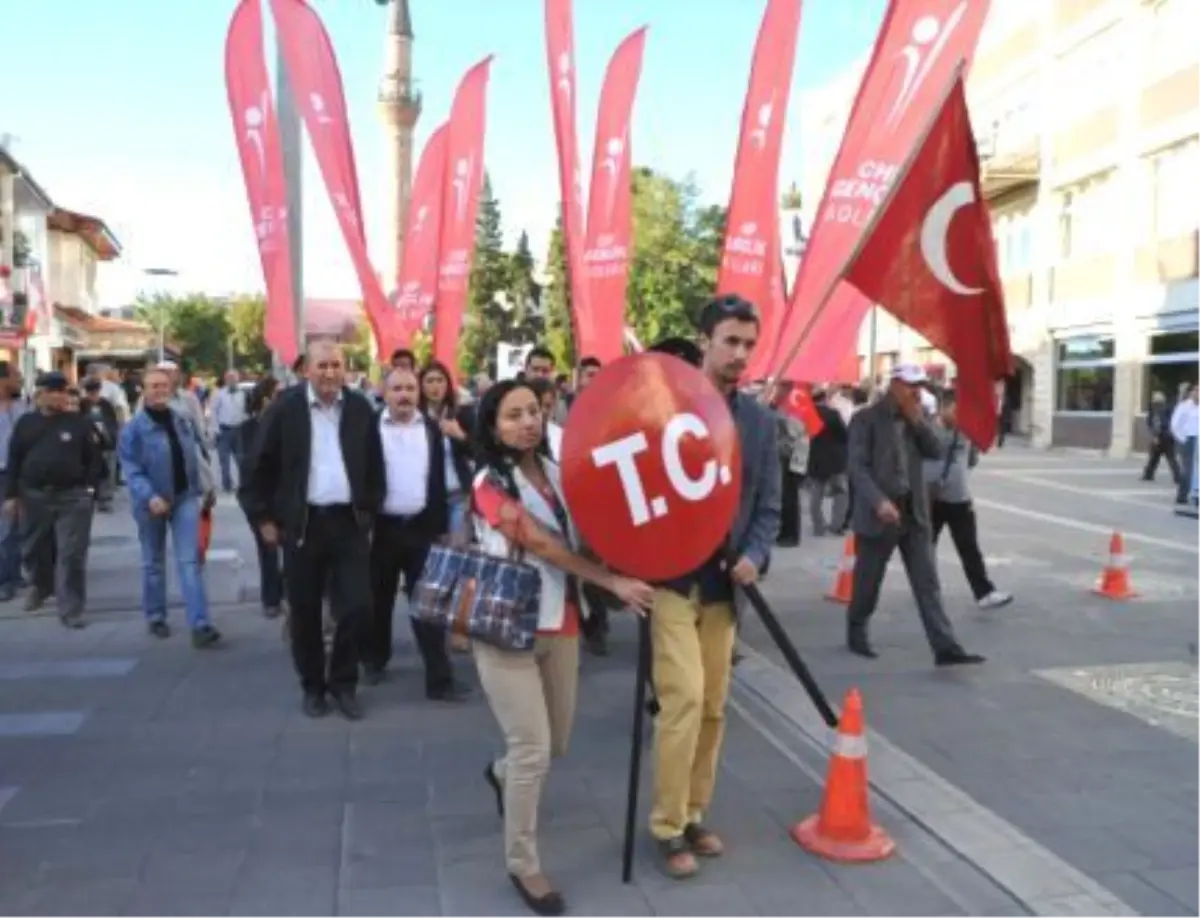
pixel 532 696
pixel 691 664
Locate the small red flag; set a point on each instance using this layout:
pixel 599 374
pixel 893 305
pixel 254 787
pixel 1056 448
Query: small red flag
pixel 799 404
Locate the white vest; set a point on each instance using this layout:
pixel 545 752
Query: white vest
pixel 552 611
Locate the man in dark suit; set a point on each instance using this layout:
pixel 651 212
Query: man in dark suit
pixel 316 484
pixel 889 440
pixel 827 467
pixel 693 624
pixel 415 513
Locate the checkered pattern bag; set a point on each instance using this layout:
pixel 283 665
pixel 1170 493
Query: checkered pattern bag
pixel 489 599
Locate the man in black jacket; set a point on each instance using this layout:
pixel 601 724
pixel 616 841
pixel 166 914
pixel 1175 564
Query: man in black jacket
pixel 316 484
pixel 827 468
pixel 103 414
pixel 414 514
pixel 54 466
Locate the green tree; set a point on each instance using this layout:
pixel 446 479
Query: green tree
pixel 556 300
pixel 198 324
pixel 524 325
pixel 247 322
pixel 486 318
pixel 359 350
pixel 676 253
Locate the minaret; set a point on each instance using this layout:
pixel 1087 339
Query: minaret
pixel 400 106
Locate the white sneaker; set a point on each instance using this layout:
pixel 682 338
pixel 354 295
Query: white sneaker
pixel 995 599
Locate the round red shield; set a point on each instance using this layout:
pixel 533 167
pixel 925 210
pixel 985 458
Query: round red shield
pixel 651 466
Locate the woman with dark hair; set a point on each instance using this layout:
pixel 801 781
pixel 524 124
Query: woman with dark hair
pixel 270 557
pixel 439 403
pixel 517 504
pixel 547 393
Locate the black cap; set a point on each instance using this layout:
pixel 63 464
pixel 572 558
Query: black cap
pixel 91 384
pixel 52 381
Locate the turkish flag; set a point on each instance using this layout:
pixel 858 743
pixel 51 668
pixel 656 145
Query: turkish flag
pixel 799 404
pixel 930 260
pixel 921 44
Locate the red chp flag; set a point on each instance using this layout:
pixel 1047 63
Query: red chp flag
pixel 462 181
pixel 609 216
pixel 317 83
pixel 418 282
pixel 261 153
pixel 752 247
pixel 560 56
pixel 930 259
pixel 921 44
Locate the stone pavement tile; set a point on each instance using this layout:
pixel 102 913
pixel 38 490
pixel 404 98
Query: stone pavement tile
pixel 1097 852
pixel 93 897
pixel 1167 843
pixel 394 900
pixel 293 904
pixel 697 897
pixel 155 901
pixel 479 887
pixel 1144 896
pixel 42 723
pixel 98 667
pixel 383 846
pixel 166 869
pixel 1180 883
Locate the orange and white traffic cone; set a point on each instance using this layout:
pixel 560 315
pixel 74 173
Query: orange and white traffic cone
pixel 1114 580
pixel 842 830
pixel 843 583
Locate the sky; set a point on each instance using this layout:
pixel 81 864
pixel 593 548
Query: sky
pixel 125 116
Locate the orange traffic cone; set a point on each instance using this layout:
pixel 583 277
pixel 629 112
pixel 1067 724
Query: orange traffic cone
pixel 842 830
pixel 1114 580
pixel 843 583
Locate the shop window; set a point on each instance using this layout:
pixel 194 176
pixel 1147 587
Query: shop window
pixel 1085 389
pixel 1172 362
pixel 1086 373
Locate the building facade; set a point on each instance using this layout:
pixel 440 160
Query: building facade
pixel 1087 116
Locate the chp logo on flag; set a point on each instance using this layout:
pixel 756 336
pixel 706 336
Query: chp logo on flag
pixel 651 466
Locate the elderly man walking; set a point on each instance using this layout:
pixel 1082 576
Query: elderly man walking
pixel 889 441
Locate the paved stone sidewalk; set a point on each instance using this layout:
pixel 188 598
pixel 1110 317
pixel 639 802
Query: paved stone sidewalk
pixel 148 778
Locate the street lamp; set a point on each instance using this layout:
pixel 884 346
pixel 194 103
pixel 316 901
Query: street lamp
pixel 162 318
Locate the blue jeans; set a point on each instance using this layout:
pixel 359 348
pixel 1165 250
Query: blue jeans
pixel 227 451
pixel 459 504
pixel 184 525
pixel 10 548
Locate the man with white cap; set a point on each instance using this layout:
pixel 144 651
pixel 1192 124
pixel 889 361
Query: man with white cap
pixel 889 440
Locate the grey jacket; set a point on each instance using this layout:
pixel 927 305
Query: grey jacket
pixel 876 434
pixel 757 523
pixel 947 477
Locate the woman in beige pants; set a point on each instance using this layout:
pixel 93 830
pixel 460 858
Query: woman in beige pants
pixel 517 498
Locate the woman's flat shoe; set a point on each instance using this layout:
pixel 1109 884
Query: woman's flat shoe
pixel 489 775
pixel 552 903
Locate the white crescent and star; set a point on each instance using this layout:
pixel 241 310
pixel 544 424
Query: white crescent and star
pixel 935 230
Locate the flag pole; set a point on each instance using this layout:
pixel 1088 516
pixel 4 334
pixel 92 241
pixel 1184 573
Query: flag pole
pixel 893 189
pixel 291 141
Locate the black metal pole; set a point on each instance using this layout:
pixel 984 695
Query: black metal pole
pixel 790 654
pixel 635 748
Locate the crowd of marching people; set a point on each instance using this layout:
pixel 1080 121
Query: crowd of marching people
pixel 356 491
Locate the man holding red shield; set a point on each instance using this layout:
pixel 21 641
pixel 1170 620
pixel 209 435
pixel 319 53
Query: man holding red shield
pixel 693 620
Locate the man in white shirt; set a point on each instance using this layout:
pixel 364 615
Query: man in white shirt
pixel 1185 426
pixel 315 482
pixel 416 511
pixel 228 411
